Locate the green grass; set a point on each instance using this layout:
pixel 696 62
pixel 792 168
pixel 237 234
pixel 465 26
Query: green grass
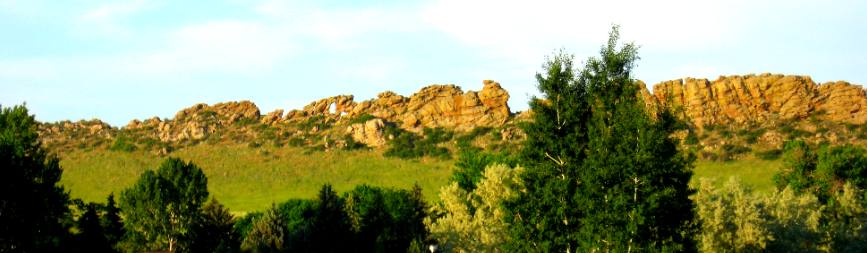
pixel 251 179
pixel 247 179
pixel 752 172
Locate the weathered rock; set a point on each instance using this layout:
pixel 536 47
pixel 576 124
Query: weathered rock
pixel 433 106
pixel 272 117
pixel 370 133
pixel 762 98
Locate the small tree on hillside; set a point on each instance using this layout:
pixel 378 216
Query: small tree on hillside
pixel 162 206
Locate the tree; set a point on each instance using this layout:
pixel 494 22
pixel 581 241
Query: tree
pixel 634 178
pixel 332 229
pixel 603 173
pixel 162 206
pixel 475 221
pixel 268 233
pixel 214 230
pixel 544 217
pixel 91 236
pixel 731 219
pixel 111 223
pixel 32 204
pixel 385 220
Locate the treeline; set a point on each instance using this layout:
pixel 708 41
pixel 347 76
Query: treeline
pixel 597 173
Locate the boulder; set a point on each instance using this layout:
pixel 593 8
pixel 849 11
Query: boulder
pixel 370 133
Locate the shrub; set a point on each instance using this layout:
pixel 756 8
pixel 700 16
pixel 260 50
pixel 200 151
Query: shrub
pixel 123 143
pixel 691 138
pixel 361 119
pixel 771 154
pixel 408 145
pixel 467 139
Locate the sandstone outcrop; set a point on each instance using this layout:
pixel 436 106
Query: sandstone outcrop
pixel 433 106
pixel 370 133
pixel 199 121
pixel 762 98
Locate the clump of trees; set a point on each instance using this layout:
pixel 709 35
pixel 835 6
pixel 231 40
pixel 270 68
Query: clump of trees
pixel 602 173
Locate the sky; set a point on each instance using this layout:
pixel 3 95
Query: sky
pixel 135 59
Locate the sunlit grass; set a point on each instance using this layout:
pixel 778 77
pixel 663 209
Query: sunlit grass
pixel 752 172
pixel 251 179
pixel 247 179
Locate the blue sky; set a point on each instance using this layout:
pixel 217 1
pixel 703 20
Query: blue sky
pixel 120 60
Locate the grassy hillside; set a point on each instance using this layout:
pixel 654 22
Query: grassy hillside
pixel 249 179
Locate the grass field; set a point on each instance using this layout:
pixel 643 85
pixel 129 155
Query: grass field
pixel 247 179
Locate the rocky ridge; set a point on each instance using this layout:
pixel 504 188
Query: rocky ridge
pixel 743 101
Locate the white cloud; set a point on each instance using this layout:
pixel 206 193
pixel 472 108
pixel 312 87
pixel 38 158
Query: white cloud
pixel 527 29
pixel 225 46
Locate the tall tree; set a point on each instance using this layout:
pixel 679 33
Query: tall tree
pixel 214 230
pixel 545 217
pixel 91 235
pixel 603 174
pixel 32 205
pixel 111 223
pixel 160 209
pixel 634 179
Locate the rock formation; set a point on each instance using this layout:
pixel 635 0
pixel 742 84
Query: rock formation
pixel 370 133
pixel 433 106
pixel 762 98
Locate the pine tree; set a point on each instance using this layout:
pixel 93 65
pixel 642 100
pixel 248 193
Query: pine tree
pixel 91 236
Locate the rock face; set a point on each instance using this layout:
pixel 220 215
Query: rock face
pixel 370 133
pixel 200 120
pixel 433 106
pixel 762 98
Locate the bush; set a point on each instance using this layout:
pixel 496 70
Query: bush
pixel 361 119
pixel 296 142
pixel 772 154
pixel 123 143
pixel 466 140
pixel 408 145
pixel 691 138
pixel 752 137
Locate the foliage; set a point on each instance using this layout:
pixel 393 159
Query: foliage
pixel 161 208
pixel 471 164
pixel 214 230
pixel 385 220
pixel 408 145
pixel 91 236
pixel 474 221
pixel 111 223
pixel 268 233
pixel 734 219
pixel 730 219
pixel 822 172
pixel 602 174
pixel 361 119
pixel 123 143
pixel 771 154
pixel 32 205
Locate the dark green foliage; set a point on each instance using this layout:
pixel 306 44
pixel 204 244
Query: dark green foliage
pixel 32 204
pixel 729 151
pixel 123 143
pixel 471 163
pixel 824 172
pixel 111 223
pixel 91 236
pixel 296 142
pixel 602 174
pixel 408 145
pixel 771 154
pixel 361 119
pixel 751 137
pixel 214 230
pixel 267 233
pixel 466 140
pixel 244 224
pixel 385 220
pixel 799 164
pixel 319 122
pixel 162 207
pixel 691 138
